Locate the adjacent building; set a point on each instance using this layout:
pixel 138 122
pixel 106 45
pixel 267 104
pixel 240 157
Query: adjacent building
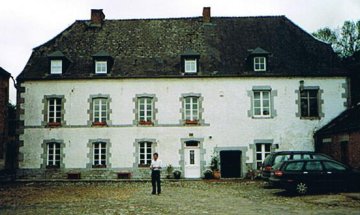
pixel 4 100
pixel 103 95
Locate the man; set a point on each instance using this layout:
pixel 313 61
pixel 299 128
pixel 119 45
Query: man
pixel 155 173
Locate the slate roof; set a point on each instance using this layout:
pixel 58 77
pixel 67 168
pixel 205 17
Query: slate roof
pixel 347 121
pixel 153 48
pixel 4 73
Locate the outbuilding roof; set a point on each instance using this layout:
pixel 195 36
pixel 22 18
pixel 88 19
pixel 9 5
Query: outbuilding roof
pixel 4 73
pixel 153 48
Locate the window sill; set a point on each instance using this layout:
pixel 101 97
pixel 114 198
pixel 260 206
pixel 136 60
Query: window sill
pixel 99 166
pixel 310 118
pixel 144 165
pixel 52 167
pixel 191 122
pixel 262 117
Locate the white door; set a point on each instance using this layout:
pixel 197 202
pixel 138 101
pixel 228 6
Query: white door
pixel 192 162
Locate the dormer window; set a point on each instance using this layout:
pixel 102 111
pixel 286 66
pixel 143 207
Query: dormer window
pixel 100 67
pixel 190 66
pixel 259 64
pixel 56 67
pixel 58 63
pixel 103 62
pixel 190 62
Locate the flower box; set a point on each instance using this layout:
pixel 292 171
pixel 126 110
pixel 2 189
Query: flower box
pixel 145 123
pixel 99 124
pixel 191 122
pixel 143 165
pixel 54 124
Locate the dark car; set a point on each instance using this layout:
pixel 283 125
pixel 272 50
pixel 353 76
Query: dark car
pixel 277 157
pixel 304 175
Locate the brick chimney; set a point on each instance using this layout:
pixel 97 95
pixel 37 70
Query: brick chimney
pixel 97 17
pixel 206 14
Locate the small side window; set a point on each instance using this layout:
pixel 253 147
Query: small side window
pixel 313 166
pixel 294 166
pixel 296 157
pixel 306 157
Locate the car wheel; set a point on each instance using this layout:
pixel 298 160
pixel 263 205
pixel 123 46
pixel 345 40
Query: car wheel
pixel 301 188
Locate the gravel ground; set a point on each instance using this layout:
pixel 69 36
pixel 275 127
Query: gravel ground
pixel 182 197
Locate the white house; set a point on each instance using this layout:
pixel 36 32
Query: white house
pixel 103 95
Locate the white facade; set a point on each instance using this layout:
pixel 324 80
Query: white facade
pixel 226 103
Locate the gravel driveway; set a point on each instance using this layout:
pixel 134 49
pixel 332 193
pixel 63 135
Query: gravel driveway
pixel 181 197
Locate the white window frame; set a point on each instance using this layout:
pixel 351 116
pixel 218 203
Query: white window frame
pixel 145 102
pixel 308 98
pixel 55 66
pixel 147 155
pixel 57 104
pixel 100 67
pixel 53 150
pixel 259 63
pixel 261 100
pixel 191 113
pixel 190 65
pixel 97 157
pixel 100 115
pixel 263 153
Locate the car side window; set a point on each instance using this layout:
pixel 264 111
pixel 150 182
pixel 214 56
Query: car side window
pixel 334 166
pixel 313 166
pixel 294 166
pixel 297 157
pixel 315 156
pixel 281 158
pixel 306 157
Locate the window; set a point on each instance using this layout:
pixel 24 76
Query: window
pixel 99 153
pixel 294 166
pixel 56 67
pixel 313 166
pixel 190 66
pixel 53 155
pixel 262 150
pixel 54 111
pixel 261 103
pixel 100 111
pixel 145 153
pixel 145 110
pixel 191 110
pixel 100 67
pixel 259 64
pixel 309 103
pixel 334 166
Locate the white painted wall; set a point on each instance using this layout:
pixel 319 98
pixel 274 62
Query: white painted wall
pixel 229 124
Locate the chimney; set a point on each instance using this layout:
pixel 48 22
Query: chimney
pixel 97 17
pixel 206 14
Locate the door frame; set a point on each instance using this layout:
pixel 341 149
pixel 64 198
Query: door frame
pixel 182 155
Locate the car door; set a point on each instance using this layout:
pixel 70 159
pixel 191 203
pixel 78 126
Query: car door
pixel 313 174
pixel 336 174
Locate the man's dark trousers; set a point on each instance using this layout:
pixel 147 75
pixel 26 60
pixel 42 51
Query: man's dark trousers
pixel 155 181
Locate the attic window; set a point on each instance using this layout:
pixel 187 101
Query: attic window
pixel 56 67
pixel 190 65
pixel 100 67
pixel 259 63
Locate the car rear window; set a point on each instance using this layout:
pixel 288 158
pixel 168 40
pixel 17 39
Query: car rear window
pixel 313 166
pixel 334 166
pixel 277 166
pixel 294 166
pixel 281 158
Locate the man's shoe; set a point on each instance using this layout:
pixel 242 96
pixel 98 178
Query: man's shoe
pixel 153 193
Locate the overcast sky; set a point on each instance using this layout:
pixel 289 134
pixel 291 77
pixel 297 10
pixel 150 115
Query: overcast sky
pixel 25 24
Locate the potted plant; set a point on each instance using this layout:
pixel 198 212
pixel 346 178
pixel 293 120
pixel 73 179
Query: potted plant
pixel 169 170
pixel 208 174
pixel 53 124
pixel 143 122
pixel 215 166
pixel 99 123
pixel 177 174
pixel 191 122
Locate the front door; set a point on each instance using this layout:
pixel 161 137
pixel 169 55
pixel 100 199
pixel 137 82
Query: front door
pixel 192 162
